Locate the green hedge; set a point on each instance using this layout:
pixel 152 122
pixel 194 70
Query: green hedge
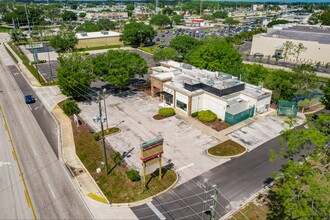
pixel 166 112
pixel 194 115
pixel 207 116
pixel 133 175
pixel 70 107
pixel 116 157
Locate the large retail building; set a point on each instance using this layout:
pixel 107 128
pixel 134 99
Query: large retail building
pixel 316 39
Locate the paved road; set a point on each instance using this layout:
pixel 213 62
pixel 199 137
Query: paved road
pixel 52 193
pixel 15 206
pixel 237 180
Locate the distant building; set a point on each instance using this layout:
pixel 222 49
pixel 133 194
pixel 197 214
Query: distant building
pixel 257 7
pixel 189 89
pixel 316 39
pixel 96 39
pixel 283 7
pixel 114 16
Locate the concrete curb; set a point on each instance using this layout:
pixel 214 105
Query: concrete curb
pixel 149 199
pixel 308 113
pixel 226 157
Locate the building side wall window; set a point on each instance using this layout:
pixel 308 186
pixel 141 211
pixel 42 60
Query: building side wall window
pixel 181 105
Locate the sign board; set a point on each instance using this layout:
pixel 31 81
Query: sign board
pixel 151 149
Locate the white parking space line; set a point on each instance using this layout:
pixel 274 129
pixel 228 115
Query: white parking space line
pixel 156 211
pixel 185 167
pixel 51 190
pixel 29 107
pixel 34 150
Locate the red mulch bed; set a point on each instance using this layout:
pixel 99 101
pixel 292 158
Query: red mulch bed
pixel 218 125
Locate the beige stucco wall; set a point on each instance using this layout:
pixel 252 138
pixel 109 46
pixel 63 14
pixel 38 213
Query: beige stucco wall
pixel 96 42
pixel 315 52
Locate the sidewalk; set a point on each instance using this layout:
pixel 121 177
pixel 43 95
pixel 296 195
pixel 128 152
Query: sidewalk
pixel 97 203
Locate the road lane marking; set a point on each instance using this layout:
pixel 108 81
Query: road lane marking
pixel 156 211
pixel 51 190
pixel 28 197
pixel 36 108
pixel 4 163
pixel 34 150
pixel 185 167
pixel 29 107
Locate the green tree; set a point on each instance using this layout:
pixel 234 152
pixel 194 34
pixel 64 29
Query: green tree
pixel 325 18
pixel 136 33
pixel 69 16
pixel 74 75
pixel 301 190
pixel 177 19
pixel 298 49
pixel 130 7
pixel 275 22
pixel 207 17
pixel 304 79
pixel 314 19
pixel 254 74
pixel 280 82
pixel 231 22
pixel 118 66
pixel 184 43
pixel 288 49
pixel 16 35
pixel 304 104
pixel 64 41
pixel 216 57
pixel 220 14
pixel 106 24
pixel 166 54
pixel 70 107
pixel 88 26
pixel 36 14
pixel 167 11
pixel 82 14
pixel 160 20
pixel 325 100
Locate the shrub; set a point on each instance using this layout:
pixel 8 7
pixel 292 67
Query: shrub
pixel 207 116
pixel 166 112
pixel 133 175
pixel 70 107
pixel 116 157
pixel 39 61
pixel 194 115
pixel 96 136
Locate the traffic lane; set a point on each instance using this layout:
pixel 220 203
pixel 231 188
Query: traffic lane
pixel 187 201
pixel 15 205
pixel 52 193
pixel 43 117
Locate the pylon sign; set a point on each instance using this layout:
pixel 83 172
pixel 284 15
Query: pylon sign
pixel 151 152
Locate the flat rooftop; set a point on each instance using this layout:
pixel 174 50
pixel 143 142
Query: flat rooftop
pixel 301 32
pixel 100 34
pixel 177 74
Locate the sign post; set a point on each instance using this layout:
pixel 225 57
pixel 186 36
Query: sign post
pixel 151 152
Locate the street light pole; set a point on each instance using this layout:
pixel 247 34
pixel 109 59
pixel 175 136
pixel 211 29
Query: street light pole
pixel 103 138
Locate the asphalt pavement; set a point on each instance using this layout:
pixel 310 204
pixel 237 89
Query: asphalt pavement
pixel 236 181
pixel 53 195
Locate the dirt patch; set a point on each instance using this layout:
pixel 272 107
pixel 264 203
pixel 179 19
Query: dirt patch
pixel 313 108
pixel 217 125
pixel 159 117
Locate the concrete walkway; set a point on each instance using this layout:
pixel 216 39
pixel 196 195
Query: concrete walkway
pixel 92 195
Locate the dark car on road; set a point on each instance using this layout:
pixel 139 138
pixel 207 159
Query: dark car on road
pixel 163 35
pixel 157 39
pixel 29 99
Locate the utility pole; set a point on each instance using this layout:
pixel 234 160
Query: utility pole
pixel 200 10
pixel 214 204
pixel 101 119
pixel 156 6
pixel 105 108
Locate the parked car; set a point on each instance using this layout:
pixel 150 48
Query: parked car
pixel 29 99
pixel 163 35
pixel 167 31
pixel 157 39
pixel 258 55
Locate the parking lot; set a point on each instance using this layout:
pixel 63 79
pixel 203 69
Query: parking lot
pixel 184 145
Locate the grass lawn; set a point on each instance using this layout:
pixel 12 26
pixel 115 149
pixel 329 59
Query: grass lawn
pixel 99 48
pixel 116 186
pixel 252 211
pixel 5 29
pixel 151 50
pixel 227 148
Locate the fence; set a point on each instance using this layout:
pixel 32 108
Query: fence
pixel 234 119
pixel 287 108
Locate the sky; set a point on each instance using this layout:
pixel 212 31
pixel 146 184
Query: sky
pixel 281 1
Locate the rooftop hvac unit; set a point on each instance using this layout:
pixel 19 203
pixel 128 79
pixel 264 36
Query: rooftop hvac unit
pixel 105 32
pixel 239 100
pixel 84 34
pixel 187 66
